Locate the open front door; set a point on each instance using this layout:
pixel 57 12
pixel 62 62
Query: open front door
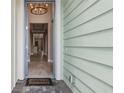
pixel 26 45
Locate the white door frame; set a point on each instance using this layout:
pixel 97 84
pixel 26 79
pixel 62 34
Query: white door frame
pixel 20 38
pixel 13 44
pixel 57 40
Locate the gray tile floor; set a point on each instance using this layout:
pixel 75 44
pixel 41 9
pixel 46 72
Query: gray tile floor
pixel 58 87
pixel 39 67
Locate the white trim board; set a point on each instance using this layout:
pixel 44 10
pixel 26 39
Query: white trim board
pixel 57 40
pixel 20 39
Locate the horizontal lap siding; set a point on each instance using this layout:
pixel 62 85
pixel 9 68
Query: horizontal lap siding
pixel 92 40
pixel 88 45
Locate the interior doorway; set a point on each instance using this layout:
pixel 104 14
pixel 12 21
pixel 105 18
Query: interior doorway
pixel 40 40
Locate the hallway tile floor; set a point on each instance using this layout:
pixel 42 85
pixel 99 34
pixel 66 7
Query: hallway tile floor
pixel 39 67
pixel 58 87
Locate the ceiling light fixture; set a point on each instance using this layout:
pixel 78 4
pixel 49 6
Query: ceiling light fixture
pixel 38 8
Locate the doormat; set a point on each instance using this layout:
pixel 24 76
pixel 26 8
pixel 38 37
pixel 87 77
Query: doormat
pixel 38 82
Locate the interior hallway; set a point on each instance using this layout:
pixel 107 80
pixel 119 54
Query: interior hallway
pixel 39 67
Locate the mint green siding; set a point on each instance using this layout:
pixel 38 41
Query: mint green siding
pixel 87 45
